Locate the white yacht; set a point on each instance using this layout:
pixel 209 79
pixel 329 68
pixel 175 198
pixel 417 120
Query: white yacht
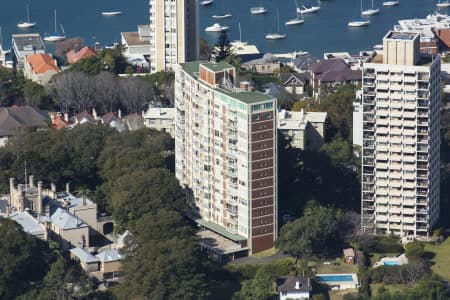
pixel 307 9
pixel 445 3
pixel 111 13
pixel 216 27
pixel 358 23
pixel 27 23
pixel 370 11
pixel 277 35
pixel 258 10
pixel 297 20
pixel 223 15
pixel 55 36
pixel 206 2
pixel 390 3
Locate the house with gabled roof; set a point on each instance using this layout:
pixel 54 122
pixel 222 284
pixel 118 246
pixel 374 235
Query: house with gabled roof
pixel 327 74
pixel 294 83
pixel 74 56
pixel 40 68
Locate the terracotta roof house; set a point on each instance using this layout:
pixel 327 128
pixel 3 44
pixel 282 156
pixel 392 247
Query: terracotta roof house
pixel 58 122
pixel 75 56
pixel 329 73
pixel 15 117
pixel 40 68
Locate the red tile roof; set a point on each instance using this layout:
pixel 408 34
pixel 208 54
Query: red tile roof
pixel 85 52
pixel 42 63
pixel 58 122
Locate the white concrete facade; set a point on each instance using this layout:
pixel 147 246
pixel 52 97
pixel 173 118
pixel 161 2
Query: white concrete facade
pixel 401 140
pixel 173 33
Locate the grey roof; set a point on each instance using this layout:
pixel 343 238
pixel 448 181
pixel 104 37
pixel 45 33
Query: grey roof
pixel 327 65
pixel 28 42
pixel 3 205
pixel 71 201
pixel 65 220
pixel 134 121
pixel 83 255
pixel 14 117
pixel 28 223
pixel 267 58
pixel 288 284
pixel 304 61
pixel 341 76
pixel 285 77
pixel 109 255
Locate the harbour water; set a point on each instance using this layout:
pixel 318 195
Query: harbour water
pixel 325 30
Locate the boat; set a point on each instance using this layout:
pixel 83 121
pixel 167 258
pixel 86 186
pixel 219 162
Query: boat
pixel 223 15
pixel 390 3
pixel 277 35
pixel 28 23
pixel 370 11
pixel 207 2
pixel 111 13
pixel 295 21
pixel 216 27
pixel 358 22
pixel 55 36
pixel 307 9
pixel 258 10
pixel 443 3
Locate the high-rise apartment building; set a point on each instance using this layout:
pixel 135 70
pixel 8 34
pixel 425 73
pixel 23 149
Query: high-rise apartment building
pixel 400 153
pixel 173 33
pixel 226 152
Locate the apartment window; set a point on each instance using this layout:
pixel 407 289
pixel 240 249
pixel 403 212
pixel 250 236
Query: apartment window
pixel 255 118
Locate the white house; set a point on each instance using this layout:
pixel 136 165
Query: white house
pixel 294 288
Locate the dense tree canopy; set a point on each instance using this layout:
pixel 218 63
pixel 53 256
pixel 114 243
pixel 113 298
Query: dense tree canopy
pixel 317 233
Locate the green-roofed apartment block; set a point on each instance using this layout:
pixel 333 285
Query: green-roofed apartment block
pixel 226 153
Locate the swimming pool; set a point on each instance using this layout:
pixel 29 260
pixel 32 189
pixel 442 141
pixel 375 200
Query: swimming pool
pixel 335 278
pixel 391 263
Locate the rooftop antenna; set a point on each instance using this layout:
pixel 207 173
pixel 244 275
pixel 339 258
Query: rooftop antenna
pixel 25 169
pixel 240 33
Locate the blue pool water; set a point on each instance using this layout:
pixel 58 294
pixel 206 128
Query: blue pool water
pixel 334 278
pixel 391 263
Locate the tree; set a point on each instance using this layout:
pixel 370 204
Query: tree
pixel 135 93
pixel 315 234
pixel 92 65
pixel 222 48
pixel 35 95
pixel 205 50
pixel 141 192
pixel 19 261
pixel 414 250
pixel 258 288
pixel 162 260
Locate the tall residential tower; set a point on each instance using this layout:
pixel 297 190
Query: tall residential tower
pixel 226 153
pixel 400 153
pixel 173 33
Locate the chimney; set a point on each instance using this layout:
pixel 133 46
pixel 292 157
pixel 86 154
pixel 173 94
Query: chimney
pixel 53 189
pixel 31 181
pixel 119 113
pixel 38 207
pixel 52 117
pixel 68 187
pixel 94 113
pixel 20 198
pixel 244 85
pixel 11 191
pixel 66 117
pixel 297 284
pixel 84 200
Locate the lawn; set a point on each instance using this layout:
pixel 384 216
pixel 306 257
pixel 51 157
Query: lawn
pixel 390 287
pixel 440 258
pixel 332 269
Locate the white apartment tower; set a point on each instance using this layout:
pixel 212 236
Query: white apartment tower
pixel 226 153
pixel 400 159
pixel 173 33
